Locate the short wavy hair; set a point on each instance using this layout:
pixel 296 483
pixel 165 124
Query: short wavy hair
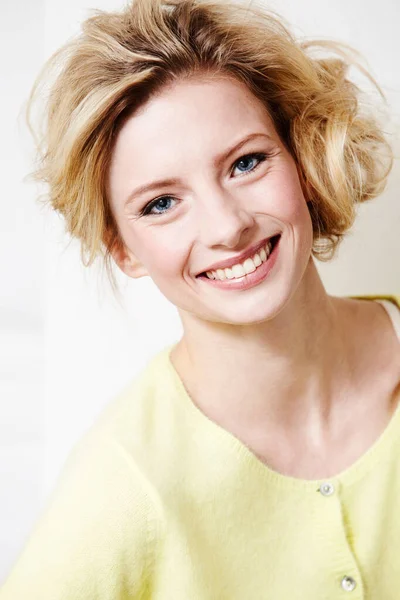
pixel 120 59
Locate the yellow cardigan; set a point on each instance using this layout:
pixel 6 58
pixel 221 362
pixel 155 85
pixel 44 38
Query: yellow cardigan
pixel 157 501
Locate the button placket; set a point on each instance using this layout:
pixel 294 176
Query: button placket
pixel 329 490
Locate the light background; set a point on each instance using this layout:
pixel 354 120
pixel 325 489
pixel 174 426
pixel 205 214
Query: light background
pixel 66 346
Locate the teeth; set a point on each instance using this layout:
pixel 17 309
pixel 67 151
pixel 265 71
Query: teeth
pixel 241 269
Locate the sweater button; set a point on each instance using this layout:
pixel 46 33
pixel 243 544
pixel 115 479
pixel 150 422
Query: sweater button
pixel 348 583
pixel 326 488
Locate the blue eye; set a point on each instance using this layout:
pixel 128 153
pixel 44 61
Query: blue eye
pixel 259 156
pixel 250 157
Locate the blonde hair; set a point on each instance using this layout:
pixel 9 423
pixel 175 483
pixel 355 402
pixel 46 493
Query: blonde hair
pixel 121 59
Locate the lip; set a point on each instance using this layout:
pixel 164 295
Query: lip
pixel 229 262
pixel 250 280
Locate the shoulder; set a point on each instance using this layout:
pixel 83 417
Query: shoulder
pixel 98 534
pixel 374 333
pixel 372 336
pixel 395 299
pixel 138 397
pixel 145 416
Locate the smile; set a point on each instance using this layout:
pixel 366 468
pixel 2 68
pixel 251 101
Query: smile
pixel 247 274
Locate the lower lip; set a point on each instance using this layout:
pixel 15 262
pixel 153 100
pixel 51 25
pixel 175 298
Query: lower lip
pixel 250 279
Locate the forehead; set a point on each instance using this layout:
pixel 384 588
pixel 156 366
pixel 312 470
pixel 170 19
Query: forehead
pixel 201 105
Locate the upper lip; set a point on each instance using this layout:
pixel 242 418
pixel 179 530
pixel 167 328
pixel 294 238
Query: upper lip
pixel 229 262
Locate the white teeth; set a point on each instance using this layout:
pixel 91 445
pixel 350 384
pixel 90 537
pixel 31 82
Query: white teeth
pixel 257 260
pixel 239 270
pixel 220 274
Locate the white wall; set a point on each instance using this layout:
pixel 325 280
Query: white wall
pixel 22 286
pixel 92 345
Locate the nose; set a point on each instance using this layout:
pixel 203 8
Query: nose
pixel 223 220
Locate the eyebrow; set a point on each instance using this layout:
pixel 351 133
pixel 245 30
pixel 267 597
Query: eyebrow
pixel 175 180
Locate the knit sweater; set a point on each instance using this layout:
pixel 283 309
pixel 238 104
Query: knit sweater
pixel 156 501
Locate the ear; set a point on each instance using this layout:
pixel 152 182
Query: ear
pixel 127 261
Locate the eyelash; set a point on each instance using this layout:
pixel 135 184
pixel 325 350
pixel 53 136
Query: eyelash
pixel 260 156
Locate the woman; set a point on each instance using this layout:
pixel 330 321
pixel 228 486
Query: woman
pixel 258 456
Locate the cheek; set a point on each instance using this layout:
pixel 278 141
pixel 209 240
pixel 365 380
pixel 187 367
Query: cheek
pixel 164 260
pixel 283 196
pixel 159 248
pixel 297 201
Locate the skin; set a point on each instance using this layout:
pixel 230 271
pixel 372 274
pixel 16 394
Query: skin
pixel 284 366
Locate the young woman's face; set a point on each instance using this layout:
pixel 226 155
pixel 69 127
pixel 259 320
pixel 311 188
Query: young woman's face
pixel 220 200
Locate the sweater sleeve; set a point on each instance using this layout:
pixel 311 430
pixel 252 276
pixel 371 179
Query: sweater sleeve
pixel 97 537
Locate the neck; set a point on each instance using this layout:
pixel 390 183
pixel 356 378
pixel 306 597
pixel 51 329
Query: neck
pixel 288 370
